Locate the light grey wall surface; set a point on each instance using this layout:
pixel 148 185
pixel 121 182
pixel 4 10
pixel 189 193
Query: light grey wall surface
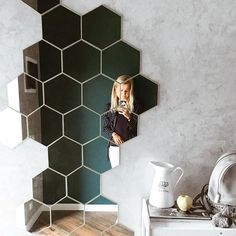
pixel 189 48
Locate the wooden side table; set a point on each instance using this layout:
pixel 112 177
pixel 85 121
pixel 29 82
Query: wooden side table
pixel 179 227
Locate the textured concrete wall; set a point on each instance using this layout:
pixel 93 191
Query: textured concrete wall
pixel 189 48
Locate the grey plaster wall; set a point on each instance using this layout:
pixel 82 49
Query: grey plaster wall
pixel 188 47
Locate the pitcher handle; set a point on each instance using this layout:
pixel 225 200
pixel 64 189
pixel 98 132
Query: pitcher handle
pixel 182 172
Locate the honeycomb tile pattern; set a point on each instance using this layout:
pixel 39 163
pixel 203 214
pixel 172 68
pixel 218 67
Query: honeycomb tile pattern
pixel 63 96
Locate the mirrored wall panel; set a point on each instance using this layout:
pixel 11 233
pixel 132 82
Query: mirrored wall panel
pixel 42 5
pixel 80 95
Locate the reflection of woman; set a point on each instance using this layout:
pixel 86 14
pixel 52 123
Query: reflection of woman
pixel 119 122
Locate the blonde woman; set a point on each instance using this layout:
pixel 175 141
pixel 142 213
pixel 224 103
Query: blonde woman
pixel 119 122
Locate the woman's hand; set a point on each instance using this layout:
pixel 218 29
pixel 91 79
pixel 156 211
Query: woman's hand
pixel 125 112
pixel 117 139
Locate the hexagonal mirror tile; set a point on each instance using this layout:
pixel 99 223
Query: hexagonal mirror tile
pixel 83 185
pixel 114 123
pixel 120 59
pixel 65 155
pixel 45 125
pixel 145 93
pixel 67 215
pixel 82 125
pixel 42 61
pixel 49 187
pixel 62 93
pixel 81 61
pixel 41 213
pixel 25 94
pixel 101 27
pixel 61 26
pixel 118 229
pixel 13 127
pixel 42 6
pixel 96 155
pixel 101 213
pixel 97 93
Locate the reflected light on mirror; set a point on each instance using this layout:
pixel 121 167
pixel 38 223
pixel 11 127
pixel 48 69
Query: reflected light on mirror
pixel 11 128
pixel 13 95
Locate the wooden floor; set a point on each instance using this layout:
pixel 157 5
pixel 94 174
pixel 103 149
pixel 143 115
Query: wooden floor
pixel 78 223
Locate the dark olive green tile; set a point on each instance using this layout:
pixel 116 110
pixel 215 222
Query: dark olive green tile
pixel 62 93
pixel 120 59
pixel 61 27
pixel 96 155
pixel 97 93
pixel 81 61
pixel 45 125
pixel 101 27
pixel 48 187
pixel 102 201
pixel 41 5
pixel 83 185
pixel 145 93
pixel 42 61
pixel 82 125
pixel 65 156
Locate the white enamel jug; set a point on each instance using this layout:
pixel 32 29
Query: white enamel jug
pixel 162 193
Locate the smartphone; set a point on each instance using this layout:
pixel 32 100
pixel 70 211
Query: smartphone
pixel 122 103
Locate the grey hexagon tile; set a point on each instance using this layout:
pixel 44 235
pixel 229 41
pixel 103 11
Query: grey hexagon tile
pixel 62 93
pixel 13 127
pixel 81 61
pixel 65 155
pixel 45 125
pixel 61 26
pixel 67 215
pixel 101 27
pixel 49 187
pixel 32 209
pixel 42 61
pixel 25 94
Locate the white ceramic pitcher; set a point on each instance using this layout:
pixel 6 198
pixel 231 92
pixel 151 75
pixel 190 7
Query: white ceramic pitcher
pixel 162 193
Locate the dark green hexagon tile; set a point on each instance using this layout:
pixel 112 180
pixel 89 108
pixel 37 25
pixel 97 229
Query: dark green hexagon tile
pixel 97 93
pixel 29 92
pixel 96 155
pixel 42 5
pixel 42 60
pixel 62 93
pixel 83 185
pixel 145 93
pixel 61 27
pixel 45 125
pixel 48 187
pixel 120 59
pixel 81 61
pixel 82 125
pixel 65 156
pixel 101 27
pixel 102 200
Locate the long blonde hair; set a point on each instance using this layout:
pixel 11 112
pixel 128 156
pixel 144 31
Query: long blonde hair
pixel 123 79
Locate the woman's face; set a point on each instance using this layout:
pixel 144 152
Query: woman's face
pixel 123 91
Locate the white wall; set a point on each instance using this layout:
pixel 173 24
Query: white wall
pixel 188 47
